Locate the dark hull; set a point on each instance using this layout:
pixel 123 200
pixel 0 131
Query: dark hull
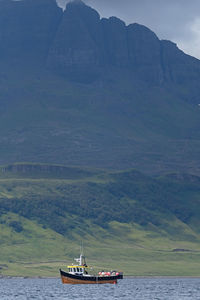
pixel 79 279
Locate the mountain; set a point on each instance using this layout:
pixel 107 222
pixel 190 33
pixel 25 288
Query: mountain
pixel 127 220
pixel 76 89
pixel 103 120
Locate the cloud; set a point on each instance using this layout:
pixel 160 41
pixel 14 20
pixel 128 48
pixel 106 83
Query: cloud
pixel 176 20
pixel 192 42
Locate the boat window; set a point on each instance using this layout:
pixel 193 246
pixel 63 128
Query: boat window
pixel 74 269
pixel 77 269
pixel 81 270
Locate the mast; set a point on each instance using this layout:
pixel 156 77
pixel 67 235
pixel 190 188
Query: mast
pixel 81 259
pixel 81 254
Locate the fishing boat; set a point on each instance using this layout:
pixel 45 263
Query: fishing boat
pixel 79 274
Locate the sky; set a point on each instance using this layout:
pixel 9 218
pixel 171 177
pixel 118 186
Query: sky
pixel 175 20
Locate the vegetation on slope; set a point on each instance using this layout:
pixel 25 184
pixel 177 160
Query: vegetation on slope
pixel 150 222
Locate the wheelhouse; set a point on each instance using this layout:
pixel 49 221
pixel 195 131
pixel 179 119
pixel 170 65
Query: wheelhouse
pixel 77 270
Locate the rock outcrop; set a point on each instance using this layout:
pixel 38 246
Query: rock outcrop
pixel 76 47
pixel 145 53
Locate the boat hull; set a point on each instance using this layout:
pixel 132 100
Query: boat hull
pixel 77 279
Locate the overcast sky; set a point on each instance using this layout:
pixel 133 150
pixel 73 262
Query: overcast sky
pixel 176 20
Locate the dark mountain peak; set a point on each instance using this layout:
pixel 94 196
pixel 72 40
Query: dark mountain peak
pixel 142 30
pixel 116 20
pixel 144 53
pixel 115 41
pixel 80 8
pixel 75 51
pixel 114 23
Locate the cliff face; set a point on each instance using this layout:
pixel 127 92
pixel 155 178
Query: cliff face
pixel 145 53
pixel 78 44
pixel 115 42
pixel 85 45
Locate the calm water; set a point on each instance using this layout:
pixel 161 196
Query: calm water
pixel 133 289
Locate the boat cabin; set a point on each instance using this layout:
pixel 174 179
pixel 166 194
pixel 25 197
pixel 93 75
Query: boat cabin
pixel 77 270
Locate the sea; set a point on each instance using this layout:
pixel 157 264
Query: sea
pixel 128 288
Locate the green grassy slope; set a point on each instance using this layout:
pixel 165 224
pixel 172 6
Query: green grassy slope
pixel 129 221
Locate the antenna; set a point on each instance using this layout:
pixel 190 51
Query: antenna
pixel 81 248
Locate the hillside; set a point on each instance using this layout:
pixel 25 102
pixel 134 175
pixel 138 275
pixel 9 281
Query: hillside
pixel 76 89
pixel 104 121
pixel 127 220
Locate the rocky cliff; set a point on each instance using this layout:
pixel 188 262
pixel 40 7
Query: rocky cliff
pixel 78 44
pixel 86 43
